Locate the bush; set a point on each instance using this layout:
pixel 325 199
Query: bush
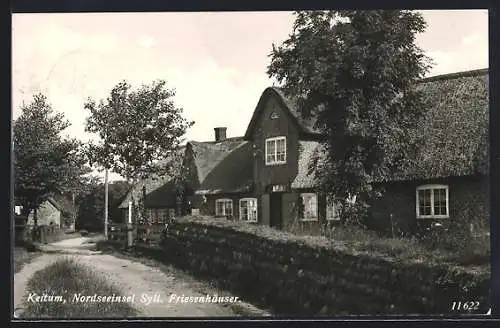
pixel 83 232
pixel 477 252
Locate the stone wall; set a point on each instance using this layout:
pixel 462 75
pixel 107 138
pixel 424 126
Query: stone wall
pixel 306 276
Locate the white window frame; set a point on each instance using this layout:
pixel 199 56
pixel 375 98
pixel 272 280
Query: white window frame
pixel 223 200
pixel 302 216
pixel 432 187
pixel 331 207
pixel 275 140
pixel 256 209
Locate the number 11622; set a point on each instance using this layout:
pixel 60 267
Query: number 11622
pixel 465 306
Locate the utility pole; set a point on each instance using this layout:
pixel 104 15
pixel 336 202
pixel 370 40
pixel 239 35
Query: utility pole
pixel 106 203
pixel 73 210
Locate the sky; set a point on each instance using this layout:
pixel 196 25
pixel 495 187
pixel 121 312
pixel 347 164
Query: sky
pixel 215 61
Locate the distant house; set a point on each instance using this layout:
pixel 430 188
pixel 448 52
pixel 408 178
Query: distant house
pixel 263 177
pixel 161 197
pixel 49 213
pixel 68 210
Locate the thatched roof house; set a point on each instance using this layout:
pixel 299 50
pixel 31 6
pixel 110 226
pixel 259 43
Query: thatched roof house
pixel 155 187
pixel 262 176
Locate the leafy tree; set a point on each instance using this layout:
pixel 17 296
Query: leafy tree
pixel 138 130
pixel 354 70
pixel 44 162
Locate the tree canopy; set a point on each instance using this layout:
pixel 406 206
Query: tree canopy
pixel 138 129
pixel 44 161
pixel 355 71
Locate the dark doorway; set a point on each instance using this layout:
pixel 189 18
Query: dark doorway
pixel 275 210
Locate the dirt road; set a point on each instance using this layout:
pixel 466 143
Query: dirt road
pixel 168 292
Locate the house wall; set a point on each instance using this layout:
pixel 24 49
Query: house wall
pixel 208 208
pixel 291 221
pixel 468 203
pixel 46 214
pixel 264 175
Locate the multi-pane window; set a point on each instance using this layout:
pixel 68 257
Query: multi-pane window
pixel 162 215
pixel 332 209
pixel 248 209
pixel 276 150
pixel 224 207
pixel 432 201
pixel 309 203
pixel 157 215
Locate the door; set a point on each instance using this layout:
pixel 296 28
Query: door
pixel 275 210
pixel 265 210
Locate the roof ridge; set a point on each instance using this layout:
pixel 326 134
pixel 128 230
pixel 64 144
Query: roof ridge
pixel 445 76
pixel 454 75
pixel 214 142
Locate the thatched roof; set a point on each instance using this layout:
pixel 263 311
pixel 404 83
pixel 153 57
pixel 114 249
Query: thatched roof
pixel 455 127
pixel 289 105
pixel 152 184
pixel 55 203
pixel 222 167
pixel 64 202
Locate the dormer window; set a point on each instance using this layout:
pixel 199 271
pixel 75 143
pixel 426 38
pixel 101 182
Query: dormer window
pixel 274 116
pixel 276 150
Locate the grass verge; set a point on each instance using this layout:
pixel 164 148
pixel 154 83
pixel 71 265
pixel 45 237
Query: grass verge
pixel 64 279
pixel 22 256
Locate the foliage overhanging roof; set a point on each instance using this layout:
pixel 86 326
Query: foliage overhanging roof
pixel 456 130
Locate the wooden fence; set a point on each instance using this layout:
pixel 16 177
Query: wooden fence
pixel 42 234
pixel 141 234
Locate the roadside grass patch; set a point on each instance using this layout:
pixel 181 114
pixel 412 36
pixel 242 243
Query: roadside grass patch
pixel 67 277
pixel 22 256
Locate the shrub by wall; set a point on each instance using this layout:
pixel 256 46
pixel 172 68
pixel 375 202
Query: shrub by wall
pixel 306 276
